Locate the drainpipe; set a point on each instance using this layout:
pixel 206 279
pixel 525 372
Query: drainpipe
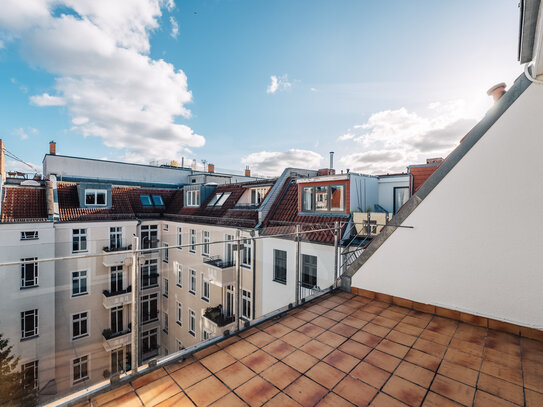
pixel 253 261
pixel 238 282
pixel 135 305
pixel 297 292
pixel 336 233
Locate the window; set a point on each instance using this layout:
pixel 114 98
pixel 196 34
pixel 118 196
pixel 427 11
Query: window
pixel 116 319
pixel 146 200
pixel 30 375
pixel 179 275
pixel 401 195
pixel 179 315
pixel 206 335
pixel 149 341
pixel 29 273
pixel 323 198
pixel 165 253
pixel 192 288
pixel 307 199
pixel 79 240
pixel 229 294
pixel 205 288
pixel 205 241
pixel 115 238
pixel 80 369
pixel 179 237
pixel 31 235
pixel 336 198
pixel 280 266
pixel 214 200
pixel 79 283
pixel 309 271
pixel 96 197
pixel 179 344
pixel 165 288
pixel 149 308
pixel 222 199
pixel 29 323
pixel 117 361
pixel 246 304
pixel 229 250
pixel 166 323
pixel 192 323
pixel 116 279
pixel 246 253
pixel 149 237
pixel 192 198
pixel 149 274
pixel 80 325
pixel 157 201
pixel 257 195
pixel 193 241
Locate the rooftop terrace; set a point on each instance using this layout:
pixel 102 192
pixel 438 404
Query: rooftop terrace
pixel 344 350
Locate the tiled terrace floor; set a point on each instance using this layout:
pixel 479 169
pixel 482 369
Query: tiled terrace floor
pixel 342 350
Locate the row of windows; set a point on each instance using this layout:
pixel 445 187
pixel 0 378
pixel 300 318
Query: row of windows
pixel 309 268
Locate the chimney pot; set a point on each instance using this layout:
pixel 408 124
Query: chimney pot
pixel 52 148
pixel 497 91
pixel 247 171
pixel 210 167
pixel 331 159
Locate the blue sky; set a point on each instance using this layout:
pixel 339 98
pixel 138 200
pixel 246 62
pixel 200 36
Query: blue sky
pixel 259 83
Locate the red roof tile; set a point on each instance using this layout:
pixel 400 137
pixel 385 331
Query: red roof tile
pixel 20 204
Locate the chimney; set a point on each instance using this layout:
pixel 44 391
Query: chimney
pixel 52 148
pixel 437 160
pixel 2 161
pixel 497 91
pixel 331 159
pixel 210 167
pixel 247 171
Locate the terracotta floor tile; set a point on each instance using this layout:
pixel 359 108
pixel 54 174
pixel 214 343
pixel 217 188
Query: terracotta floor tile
pixel 341 360
pixel 335 315
pixel 178 400
pixel 228 341
pixel 392 348
pixel 258 361
pixel 279 349
pixel 325 375
pixel 470 333
pixel 383 400
pixel 435 337
pixel 217 361
pixel 230 400
pixel 307 315
pixel 355 349
pixel 331 338
pixel 355 391
pixel 305 391
pixel 345 308
pixel 206 352
pixel 382 360
pixel 190 374
pixel 148 378
pixel 280 375
pixel 256 391
pixel 127 400
pixel 300 361
pixel 463 359
pixel 235 375
pixel 403 390
pixel 277 330
pixel 282 400
pixel 443 326
pixel 324 322
pixel 354 322
pixel 158 391
pixel 506 359
pixel 367 339
pixel 392 315
pixel 435 400
pixel 453 390
pixel 459 373
pixel 343 329
pixel 178 364
pixel 316 349
pixel 333 400
pixel 419 323
pixel 248 332
pixel 533 375
pixel 468 347
pixel 376 329
pixel 483 399
pixel 292 322
pixel 104 398
pixel 361 314
pixel 401 338
pixel 296 339
pixel 500 388
pixel 260 339
pixel 430 347
pixel 534 399
pixel 386 322
pixel 207 391
pixel 416 374
pixel 317 309
pixel 370 374
pixel 423 359
pixel 310 330
pixel 240 349
pixel 503 372
pixel 409 329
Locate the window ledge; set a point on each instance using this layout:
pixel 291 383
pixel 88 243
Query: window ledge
pixel 79 295
pixel 205 299
pixel 178 323
pixel 149 321
pixel 29 338
pixel 179 285
pixel 165 331
pixel 192 333
pixel 192 292
pixel 28 287
pixel 280 281
pixel 149 286
pixel 80 337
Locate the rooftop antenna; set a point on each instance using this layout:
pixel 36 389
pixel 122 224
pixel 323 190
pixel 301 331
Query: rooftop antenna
pixel 204 162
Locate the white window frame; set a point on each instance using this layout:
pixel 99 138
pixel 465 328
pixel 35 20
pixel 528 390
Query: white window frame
pixel 206 239
pixel 206 335
pixel 147 300
pixel 116 236
pixel 166 323
pixel 192 322
pixel 193 283
pixel 179 237
pixel 79 362
pixel 246 300
pixel 79 278
pixel 179 275
pixel 27 333
pixel 246 253
pixel 275 265
pixel 165 227
pixel 192 198
pixel 148 334
pixel 33 366
pixel 81 318
pixel 95 192
pixel 165 253
pixel 193 241
pixel 81 236
pixel 117 368
pixel 179 313
pixel 165 287
pixel 179 345
pixel 25 268
pixel 30 235
pixel 205 282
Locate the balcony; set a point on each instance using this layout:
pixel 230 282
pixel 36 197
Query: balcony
pixel 217 261
pixel 217 317
pixel 370 224
pixel 116 259
pixel 116 298
pixel 114 340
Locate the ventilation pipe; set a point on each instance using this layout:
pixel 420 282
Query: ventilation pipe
pixel 2 161
pixel 331 160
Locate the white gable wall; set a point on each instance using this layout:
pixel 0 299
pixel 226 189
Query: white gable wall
pixel 478 236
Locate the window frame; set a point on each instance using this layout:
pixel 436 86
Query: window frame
pixel 394 189
pixel 179 237
pixel 81 238
pixel 86 319
pixel 157 200
pixel 246 304
pixel 193 241
pixel 115 237
pixel 30 235
pixel 148 277
pixel 192 323
pixel 193 282
pixel 25 332
pixel 313 197
pixel 206 239
pixel 146 303
pixel 146 200
pixel 79 278
pixel 81 361
pixel 165 287
pixel 307 265
pixel 246 253
pixel 275 266
pixel 192 198
pixel 179 275
pixel 94 191
pixel 165 253
pixel 35 271
pixel 34 366
pixel 205 283
pixel 179 313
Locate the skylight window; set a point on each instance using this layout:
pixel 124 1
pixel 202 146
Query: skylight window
pixel 223 199
pixel 146 200
pixel 157 200
pixel 214 199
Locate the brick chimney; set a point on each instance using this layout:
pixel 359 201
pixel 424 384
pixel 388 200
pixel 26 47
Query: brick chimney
pixel 247 171
pixel 210 167
pixel 2 160
pixel 497 91
pixel 52 148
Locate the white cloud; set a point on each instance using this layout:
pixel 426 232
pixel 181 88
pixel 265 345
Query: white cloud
pixel 313 89
pixel 278 83
pixel 2 44
pixel 99 55
pixel 47 100
pixel 23 134
pixel 273 163
pixel 346 136
pixel 175 28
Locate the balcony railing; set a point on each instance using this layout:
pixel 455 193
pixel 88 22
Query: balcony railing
pixel 217 261
pixel 116 259
pixel 215 315
pixel 114 340
pixel 116 298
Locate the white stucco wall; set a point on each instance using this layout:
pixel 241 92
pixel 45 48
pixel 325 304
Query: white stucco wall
pixel 477 239
pixel 386 190
pixel 364 192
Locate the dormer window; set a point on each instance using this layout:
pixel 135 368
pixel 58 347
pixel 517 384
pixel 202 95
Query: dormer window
pixel 258 194
pixel 192 198
pixel 323 198
pixel 146 200
pixel 157 200
pixel 96 197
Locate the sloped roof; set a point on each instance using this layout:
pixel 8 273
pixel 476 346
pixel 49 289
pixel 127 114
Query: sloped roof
pixel 23 204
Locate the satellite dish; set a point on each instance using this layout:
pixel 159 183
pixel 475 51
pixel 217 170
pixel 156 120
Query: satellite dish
pixel 30 183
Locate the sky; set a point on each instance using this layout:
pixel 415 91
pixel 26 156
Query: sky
pixel 264 84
